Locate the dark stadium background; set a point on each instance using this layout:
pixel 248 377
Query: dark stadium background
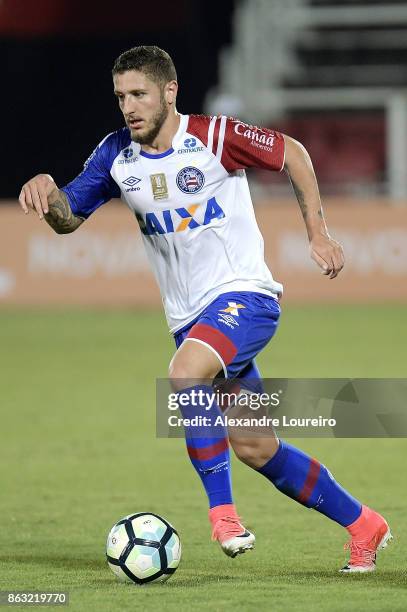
pixel 57 101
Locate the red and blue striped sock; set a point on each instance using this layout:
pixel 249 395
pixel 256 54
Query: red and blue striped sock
pixel 208 447
pixel 310 483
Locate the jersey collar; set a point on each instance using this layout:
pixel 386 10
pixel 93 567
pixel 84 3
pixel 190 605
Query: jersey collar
pixel 156 155
pixel 179 133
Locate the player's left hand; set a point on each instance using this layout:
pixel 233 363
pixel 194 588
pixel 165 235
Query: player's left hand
pixel 328 254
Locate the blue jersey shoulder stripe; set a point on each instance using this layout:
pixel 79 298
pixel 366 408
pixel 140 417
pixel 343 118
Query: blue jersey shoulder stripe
pixel 94 186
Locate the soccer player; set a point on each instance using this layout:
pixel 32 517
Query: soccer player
pixel 183 177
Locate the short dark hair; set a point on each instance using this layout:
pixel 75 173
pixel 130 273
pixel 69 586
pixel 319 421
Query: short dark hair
pixel 153 61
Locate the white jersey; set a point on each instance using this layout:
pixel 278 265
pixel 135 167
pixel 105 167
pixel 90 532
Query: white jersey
pixel 193 206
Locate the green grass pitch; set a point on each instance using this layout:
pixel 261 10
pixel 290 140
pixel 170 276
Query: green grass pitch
pixel 78 451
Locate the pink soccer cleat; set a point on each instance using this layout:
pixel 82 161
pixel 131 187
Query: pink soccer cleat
pixel 369 533
pixel 233 538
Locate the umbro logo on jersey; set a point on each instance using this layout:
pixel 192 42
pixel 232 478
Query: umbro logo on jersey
pixel 190 146
pixel 179 219
pixel 233 308
pixel 131 182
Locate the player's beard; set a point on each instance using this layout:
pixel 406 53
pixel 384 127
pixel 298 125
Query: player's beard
pixel 154 125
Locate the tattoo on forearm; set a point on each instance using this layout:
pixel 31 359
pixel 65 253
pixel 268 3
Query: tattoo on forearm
pixel 301 201
pixel 60 216
pixel 300 197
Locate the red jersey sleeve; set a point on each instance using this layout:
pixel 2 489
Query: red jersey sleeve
pixel 238 145
pixel 249 146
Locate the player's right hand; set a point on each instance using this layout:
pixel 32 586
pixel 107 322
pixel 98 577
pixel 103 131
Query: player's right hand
pixel 34 194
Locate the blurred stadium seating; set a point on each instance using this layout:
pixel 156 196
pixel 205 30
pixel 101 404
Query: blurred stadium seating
pixel 331 74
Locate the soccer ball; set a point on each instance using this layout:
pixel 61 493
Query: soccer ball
pixel 142 548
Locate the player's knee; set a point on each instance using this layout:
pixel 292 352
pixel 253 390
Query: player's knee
pixel 255 453
pixel 249 454
pixel 185 373
pixel 179 374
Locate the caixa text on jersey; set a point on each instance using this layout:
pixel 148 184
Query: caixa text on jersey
pixel 180 219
